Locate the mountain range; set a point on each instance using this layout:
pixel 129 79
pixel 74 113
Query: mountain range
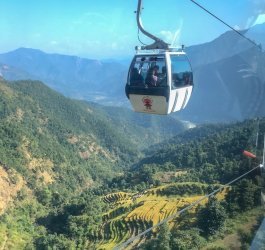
pixel 71 75
pixel 228 76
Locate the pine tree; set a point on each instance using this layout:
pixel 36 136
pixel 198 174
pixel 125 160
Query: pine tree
pixel 163 239
pixel 246 190
pixel 212 217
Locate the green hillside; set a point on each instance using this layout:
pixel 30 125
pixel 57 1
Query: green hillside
pixel 209 154
pixel 75 175
pixel 46 125
pixel 52 148
pixel 174 174
pixel 39 126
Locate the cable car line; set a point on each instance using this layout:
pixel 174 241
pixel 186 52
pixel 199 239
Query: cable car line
pixel 130 240
pixel 219 19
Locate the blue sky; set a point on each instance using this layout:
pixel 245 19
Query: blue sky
pixel 107 28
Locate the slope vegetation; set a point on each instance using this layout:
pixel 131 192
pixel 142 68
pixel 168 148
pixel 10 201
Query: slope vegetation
pixel 76 175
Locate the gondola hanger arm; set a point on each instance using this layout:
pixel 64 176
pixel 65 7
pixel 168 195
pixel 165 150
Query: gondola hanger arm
pixel 158 43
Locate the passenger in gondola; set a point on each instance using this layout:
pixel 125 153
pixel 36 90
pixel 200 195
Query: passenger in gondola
pixel 162 77
pixel 186 79
pixel 136 78
pixel 152 76
pixel 176 81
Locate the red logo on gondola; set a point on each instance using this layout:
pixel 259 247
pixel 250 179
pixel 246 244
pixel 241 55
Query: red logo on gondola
pixel 147 101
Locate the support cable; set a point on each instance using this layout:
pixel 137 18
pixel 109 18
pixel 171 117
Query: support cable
pixel 130 240
pixel 219 19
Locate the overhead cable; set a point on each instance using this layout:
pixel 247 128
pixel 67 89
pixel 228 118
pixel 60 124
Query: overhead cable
pixel 219 19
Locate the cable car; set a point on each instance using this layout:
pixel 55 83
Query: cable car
pixel 160 79
pixel 160 82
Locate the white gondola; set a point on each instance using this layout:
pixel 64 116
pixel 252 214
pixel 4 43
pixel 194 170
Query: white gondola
pixel 160 82
pixel 160 79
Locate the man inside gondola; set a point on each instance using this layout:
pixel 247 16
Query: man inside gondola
pixel 152 76
pixel 136 78
pixel 162 77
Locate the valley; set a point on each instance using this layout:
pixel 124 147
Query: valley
pixel 78 175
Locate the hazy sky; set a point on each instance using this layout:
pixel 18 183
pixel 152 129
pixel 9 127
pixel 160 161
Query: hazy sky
pixel 107 28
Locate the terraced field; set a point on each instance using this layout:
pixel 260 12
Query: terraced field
pixel 132 213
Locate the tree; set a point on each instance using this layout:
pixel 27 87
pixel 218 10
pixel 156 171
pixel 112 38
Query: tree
pixel 54 241
pixel 161 243
pixel 246 190
pixel 43 195
pixel 243 196
pixel 211 218
pixel 187 239
pixel 163 238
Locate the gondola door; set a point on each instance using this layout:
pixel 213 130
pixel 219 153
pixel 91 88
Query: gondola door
pixel 180 81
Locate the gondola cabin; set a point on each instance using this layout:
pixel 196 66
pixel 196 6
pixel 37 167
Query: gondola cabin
pixel 159 83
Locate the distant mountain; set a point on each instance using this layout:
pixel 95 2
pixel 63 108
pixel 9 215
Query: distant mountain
pixel 228 76
pixel 12 73
pixel 73 76
pixel 256 33
pixel 225 46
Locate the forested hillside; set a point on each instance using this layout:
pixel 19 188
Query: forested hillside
pixel 53 147
pixel 177 173
pixel 38 123
pixel 75 175
pixel 211 153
